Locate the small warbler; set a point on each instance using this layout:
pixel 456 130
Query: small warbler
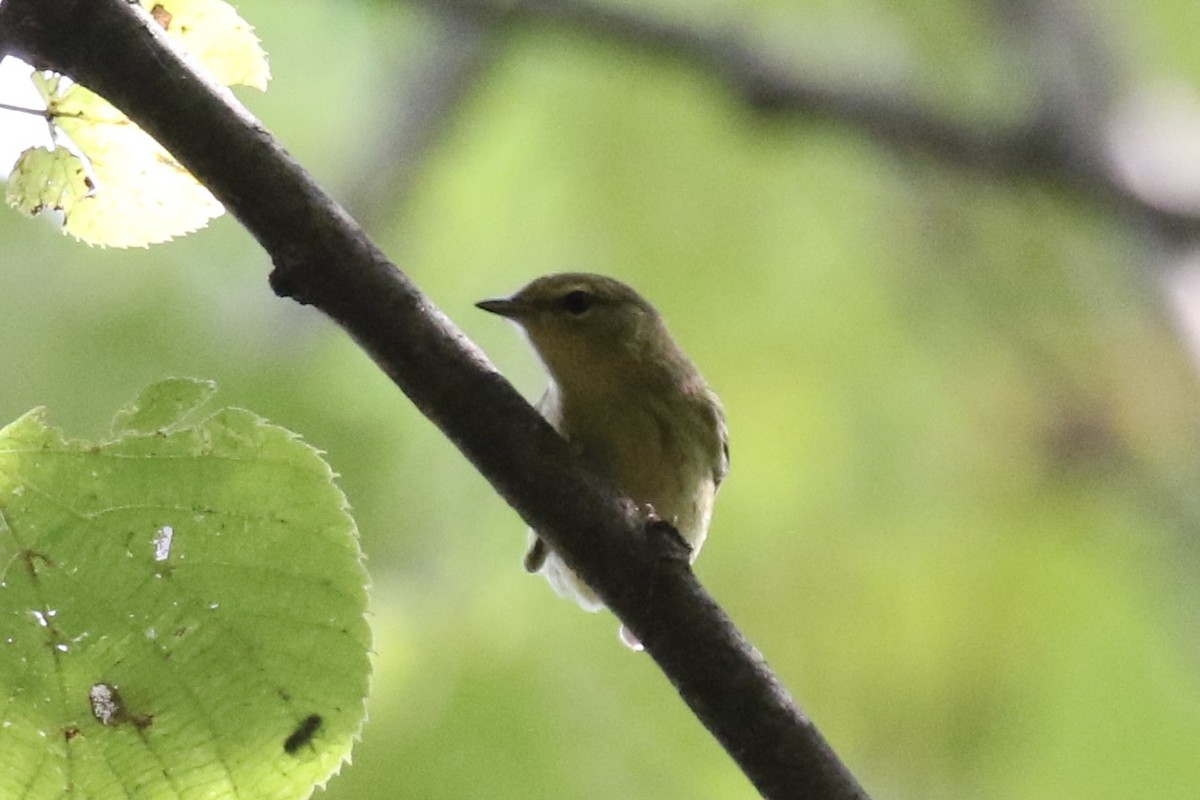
pixel 628 400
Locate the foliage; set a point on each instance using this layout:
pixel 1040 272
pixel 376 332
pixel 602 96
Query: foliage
pixel 113 183
pixel 182 606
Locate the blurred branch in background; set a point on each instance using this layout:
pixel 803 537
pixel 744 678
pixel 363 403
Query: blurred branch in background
pixel 1137 159
pixel 1073 74
pixel 1141 146
pixel 1063 143
pixel 1135 154
pixel 430 87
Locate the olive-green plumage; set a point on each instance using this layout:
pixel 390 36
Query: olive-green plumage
pixel 628 399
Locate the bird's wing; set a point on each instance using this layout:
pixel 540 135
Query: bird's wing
pixel 535 556
pixel 721 469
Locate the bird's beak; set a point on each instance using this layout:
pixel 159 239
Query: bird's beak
pixel 504 306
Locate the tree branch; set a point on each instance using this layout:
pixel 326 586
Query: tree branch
pixel 321 257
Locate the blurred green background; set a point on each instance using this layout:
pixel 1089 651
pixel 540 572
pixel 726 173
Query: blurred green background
pixel 962 516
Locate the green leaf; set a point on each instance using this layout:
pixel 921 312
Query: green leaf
pixel 42 180
pixel 181 608
pixel 163 406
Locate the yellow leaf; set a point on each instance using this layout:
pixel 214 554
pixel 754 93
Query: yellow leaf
pixel 130 192
pixel 114 184
pixel 212 32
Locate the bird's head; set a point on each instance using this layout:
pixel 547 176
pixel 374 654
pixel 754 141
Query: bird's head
pixel 587 327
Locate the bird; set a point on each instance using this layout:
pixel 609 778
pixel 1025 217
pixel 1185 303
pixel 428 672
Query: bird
pixel 630 403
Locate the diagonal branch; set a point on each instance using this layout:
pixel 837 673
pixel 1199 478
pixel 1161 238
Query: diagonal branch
pixel 321 257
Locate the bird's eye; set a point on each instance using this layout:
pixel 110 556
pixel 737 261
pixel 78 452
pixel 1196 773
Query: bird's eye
pixel 577 302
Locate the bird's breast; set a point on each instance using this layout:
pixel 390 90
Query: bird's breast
pixel 657 450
